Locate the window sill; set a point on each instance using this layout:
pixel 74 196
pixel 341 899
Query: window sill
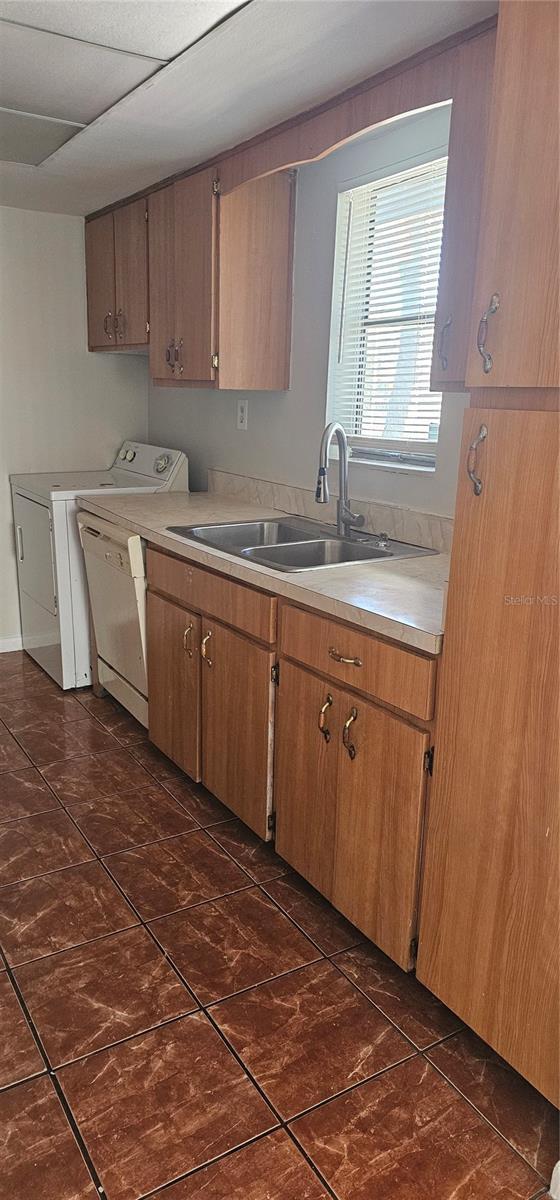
pixel 395 468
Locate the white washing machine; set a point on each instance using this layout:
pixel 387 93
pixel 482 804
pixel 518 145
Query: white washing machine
pixel 51 577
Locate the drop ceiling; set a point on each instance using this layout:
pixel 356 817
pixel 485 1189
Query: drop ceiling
pixel 159 87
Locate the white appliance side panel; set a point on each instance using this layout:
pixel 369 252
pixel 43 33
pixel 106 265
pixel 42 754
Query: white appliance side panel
pixel 40 631
pixel 35 551
pixel 78 595
pixel 118 608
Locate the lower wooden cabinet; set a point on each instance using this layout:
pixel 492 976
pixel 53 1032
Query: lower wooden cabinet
pixel 350 783
pixel 211 694
pixel 237 723
pixel 488 943
pixel 173 652
pixel 305 775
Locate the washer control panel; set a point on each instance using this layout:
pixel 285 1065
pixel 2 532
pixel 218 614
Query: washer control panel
pixel 155 462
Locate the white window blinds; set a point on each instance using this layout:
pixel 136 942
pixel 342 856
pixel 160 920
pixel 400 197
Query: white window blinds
pixel 388 245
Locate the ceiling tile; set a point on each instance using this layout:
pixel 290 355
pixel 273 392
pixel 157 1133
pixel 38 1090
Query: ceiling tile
pixel 59 77
pixel 161 30
pixel 272 59
pixel 27 139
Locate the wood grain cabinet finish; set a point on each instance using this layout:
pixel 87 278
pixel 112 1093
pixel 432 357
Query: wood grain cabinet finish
pixel 182 241
pixel 468 136
pixel 518 251
pixel 100 281
pixel 237 723
pixel 117 278
pixel 131 274
pixel 305 775
pixel 248 610
pixel 173 652
pixel 349 807
pixel 221 282
pixel 392 674
pixel 488 944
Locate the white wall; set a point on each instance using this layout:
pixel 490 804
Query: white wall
pixel 282 440
pixel 60 407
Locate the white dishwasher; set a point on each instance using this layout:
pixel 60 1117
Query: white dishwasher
pixel 116 577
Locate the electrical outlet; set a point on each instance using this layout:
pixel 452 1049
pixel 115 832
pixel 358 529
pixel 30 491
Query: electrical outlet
pixel 242 414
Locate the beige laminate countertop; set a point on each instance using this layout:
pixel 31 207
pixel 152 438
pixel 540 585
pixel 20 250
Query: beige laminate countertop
pixel 401 600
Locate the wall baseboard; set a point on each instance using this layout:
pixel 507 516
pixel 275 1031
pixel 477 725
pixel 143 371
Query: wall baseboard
pixel 11 643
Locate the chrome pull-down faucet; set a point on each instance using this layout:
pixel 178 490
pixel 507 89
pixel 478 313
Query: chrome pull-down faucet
pixel 344 517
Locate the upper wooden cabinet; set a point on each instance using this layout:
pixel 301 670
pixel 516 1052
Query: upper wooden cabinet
pixel 182 242
pixel 117 278
pixel 468 134
pixel 515 315
pixel 221 282
pixel 488 943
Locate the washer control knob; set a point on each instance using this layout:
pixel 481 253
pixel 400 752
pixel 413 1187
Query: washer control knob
pixel 161 463
pixel 122 453
pixel 130 455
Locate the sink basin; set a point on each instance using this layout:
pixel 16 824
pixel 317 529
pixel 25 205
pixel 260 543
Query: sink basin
pixel 250 533
pixel 307 556
pixel 295 543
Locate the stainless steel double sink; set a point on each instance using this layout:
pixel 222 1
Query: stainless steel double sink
pixel 296 543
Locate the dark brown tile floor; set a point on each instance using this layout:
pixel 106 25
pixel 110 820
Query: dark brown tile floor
pixel 183 1017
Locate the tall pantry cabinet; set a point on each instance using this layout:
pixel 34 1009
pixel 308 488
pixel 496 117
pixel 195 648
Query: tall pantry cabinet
pixel 488 937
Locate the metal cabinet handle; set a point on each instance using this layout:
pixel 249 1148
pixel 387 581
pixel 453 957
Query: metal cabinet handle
pixel 471 459
pixel 349 746
pixel 120 324
pixel 187 645
pixel 339 658
pixel 203 649
pixel 179 355
pixel 486 357
pixel 170 356
pixel 444 361
pixel 323 716
pixel 19 540
pixel 107 318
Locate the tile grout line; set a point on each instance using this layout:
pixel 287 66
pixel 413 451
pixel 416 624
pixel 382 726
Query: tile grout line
pixel 51 1075
pixel 203 1008
pixel 282 1124
pixel 481 1114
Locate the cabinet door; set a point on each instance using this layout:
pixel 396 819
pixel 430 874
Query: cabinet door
pixel 173 653
pixel 161 257
pixel 468 135
pixel 305 773
pixel 518 246
pixel 100 281
pixel 237 716
pixel 256 250
pixel 131 274
pixel 380 803
pixel 195 275
pixel 488 942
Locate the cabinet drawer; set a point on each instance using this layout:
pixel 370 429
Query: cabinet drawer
pixel 242 607
pixel 398 677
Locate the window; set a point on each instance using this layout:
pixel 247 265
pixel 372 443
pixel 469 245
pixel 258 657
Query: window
pixel 388 243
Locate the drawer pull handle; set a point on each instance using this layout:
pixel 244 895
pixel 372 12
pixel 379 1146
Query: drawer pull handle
pixel 339 658
pixel 471 459
pixel 350 747
pixel 444 361
pixel 487 360
pixel 323 716
pixel 203 649
pixel 187 639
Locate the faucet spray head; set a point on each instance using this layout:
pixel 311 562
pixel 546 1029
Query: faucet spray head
pixel 322 489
